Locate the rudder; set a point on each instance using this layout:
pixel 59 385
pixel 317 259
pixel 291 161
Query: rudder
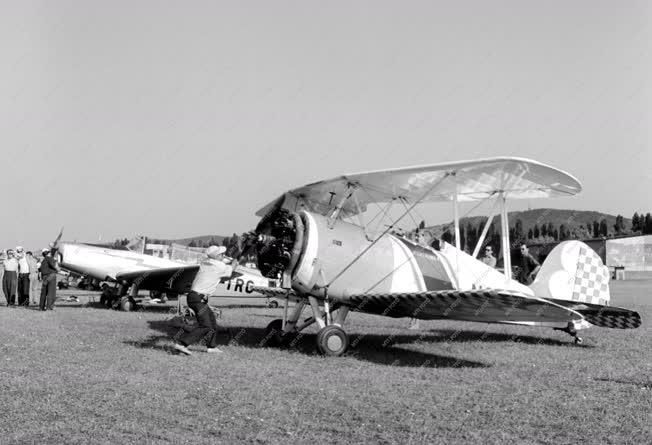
pixel 573 272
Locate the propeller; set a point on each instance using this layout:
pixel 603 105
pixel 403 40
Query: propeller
pixel 55 243
pixel 247 244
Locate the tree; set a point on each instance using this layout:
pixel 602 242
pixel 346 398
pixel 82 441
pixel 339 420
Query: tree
pixel 647 229
pixel 619 227
pixel 518 230
pixel 604 230
pixel 422 224
pixel 636 223
pixel 192 243
pixel 536 231
pixel 544 230
pixel 563 233
pixel 530 234
pixel 556 234
pixel 596 229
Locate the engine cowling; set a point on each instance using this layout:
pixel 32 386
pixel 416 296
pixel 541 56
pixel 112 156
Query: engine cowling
pixel 279 243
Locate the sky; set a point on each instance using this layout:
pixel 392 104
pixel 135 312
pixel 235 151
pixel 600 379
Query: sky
pixel 175 119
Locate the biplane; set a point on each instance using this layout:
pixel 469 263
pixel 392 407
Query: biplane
pixel 319 240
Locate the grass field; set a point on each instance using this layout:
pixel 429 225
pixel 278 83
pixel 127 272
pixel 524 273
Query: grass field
pixel 91 375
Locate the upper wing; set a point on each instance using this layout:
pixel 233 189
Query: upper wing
pixel 475 180
pixel 485 305
pixel 176 279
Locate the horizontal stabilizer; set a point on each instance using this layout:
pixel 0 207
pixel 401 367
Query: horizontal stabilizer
pixel 611 317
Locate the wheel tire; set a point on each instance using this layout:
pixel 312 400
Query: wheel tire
pixel 273 304
pixel 332 340
pixel 127 304
pixel 274 333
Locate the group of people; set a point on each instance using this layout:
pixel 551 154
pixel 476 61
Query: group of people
pixel 21 273
pixel 529 265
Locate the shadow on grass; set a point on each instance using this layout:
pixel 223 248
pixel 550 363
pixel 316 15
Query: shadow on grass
pixel 374 348
pixel 158 342
pixel 643 385
pixel 451 335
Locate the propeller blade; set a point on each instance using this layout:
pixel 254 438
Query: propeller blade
pixel 57 239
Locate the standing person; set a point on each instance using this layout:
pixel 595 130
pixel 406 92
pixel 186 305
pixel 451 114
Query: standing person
pixel 9 279
pixel 33 278
pixel 23 277
pixel 489 259
pixel 211 271
pixel 48 271
pixel 529 266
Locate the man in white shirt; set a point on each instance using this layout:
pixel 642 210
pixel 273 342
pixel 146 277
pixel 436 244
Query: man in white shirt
pixel 211 272
pixel 33 278
pixel 9 278
pixel 23 277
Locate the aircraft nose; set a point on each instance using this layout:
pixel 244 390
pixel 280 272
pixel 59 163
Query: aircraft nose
pixel 61 252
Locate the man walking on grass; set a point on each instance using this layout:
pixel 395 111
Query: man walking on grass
pixel 33 278
pixel 211 272
pixel 10 278
pixel 48 269
pixel 23 277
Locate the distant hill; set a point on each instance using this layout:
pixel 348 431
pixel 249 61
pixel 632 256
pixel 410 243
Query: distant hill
pixel 576 224
pixel 543 216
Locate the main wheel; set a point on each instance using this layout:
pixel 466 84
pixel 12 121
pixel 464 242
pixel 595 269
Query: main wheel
pixel 332 340
pixel 127 304
pixel 274 333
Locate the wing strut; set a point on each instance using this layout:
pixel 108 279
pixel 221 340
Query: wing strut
pixel 485 229
pixel 456 216
pixel 504 236
pixel 386 231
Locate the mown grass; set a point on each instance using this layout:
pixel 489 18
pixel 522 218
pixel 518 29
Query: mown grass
pixel 90 375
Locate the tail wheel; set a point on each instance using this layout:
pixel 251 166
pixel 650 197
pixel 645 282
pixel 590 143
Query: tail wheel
pixel 332 340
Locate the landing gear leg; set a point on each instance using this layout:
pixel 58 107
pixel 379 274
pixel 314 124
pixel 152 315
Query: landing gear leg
pixel 570 330
pixel 281 331
pixel 128 303
pixel 331 339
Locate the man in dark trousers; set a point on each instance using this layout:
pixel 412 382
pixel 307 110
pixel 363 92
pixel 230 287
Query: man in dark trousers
pixel 211 272
pixel 23 277
pixel 48 271
pixel 529 266
pixel 10 278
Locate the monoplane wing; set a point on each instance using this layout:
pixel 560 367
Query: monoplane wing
pixel 176 279
pixel 475 180
pixel 483 305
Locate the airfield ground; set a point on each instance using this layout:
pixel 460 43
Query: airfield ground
pixel 83 374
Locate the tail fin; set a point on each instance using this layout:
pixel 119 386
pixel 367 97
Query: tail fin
pixel 573 271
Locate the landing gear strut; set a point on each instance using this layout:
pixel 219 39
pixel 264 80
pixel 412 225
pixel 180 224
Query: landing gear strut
pixel 570 330
pixel 331 338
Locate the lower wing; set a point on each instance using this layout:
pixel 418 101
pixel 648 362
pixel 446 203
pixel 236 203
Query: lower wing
pixel 175 279
pixel 485 305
